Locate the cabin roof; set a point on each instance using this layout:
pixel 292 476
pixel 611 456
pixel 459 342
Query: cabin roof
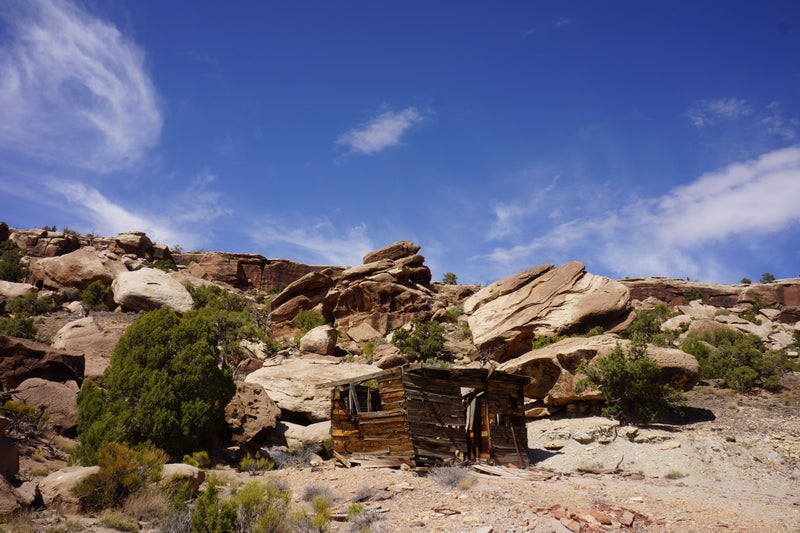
pixel 453 374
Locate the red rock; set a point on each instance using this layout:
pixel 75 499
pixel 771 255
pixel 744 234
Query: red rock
pixel 21 359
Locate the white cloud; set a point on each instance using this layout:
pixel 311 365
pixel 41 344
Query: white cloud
pixel 776 124
pixel 381 132
pixel 73 89
pixel 707 112
pixel 673 234
pixel 318 242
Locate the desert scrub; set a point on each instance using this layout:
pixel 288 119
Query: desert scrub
pixel 254 465
pixel 116 520
pixel 254 508
pixel 31 305
pixel 122 472
pixel 11 267
pixel 424 342
pixel 97 296
pixel 308 319
pixel 739 359
pixel 646 326
pixel 452 476
pixel 629 384
pixel 199 459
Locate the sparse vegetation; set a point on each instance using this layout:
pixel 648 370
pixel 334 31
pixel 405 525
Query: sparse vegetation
pixel 122 472
pixel 449 278
pixel 97 296
pixel 691 294
pixel 31 304
pixel 424 342
pixel 746 281
pixel 308 319
pixel 11 268
pixel 646 326
pixel 18 326
pixel 452 476
pixel 254 465
pixel 167 265
pixel 766 277
pixel 628 381
pixel 739 359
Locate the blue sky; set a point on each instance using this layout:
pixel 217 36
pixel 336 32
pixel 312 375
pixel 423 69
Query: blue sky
pixel 642 138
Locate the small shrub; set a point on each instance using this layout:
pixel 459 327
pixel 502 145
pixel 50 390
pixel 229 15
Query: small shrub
pixel 116 520
pixel 452 476
pixel 11 268
pixel 369 348
pixel 150 504
pixel 691 294
pixel 167 265
pixel 449 278
pixel 646 326
pixel 122 472
pixel 542 341
pixel 255 464
pixel 629 385
pixel 210 515
pixel 746 281
pixel 31 305
pixel 308 319
pixel 295 458
pixel 364 492
pixel 199 459
pixel 674 474
pixel 20 326
pixel 69 294
pixel 766 277
pixel 97 296
pixel 313 491
pixel 425 341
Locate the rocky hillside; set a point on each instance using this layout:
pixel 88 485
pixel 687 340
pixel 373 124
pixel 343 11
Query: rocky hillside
pixel 324 323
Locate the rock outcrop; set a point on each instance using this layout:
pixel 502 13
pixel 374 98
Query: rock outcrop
pixel 96 342
pixel 58 401
pixel 553 369
pixel 320 340
pixel 22 359
pixel 783 294
pixel 43 243
pixel 246 271
pixel 250 414
pixel 56 488
pixel 10 290
pixel 148 289
pixel 76 269
pixel 507 315
pixel 300 400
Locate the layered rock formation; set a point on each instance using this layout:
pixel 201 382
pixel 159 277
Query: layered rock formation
pixel 23 359
pixel 507 315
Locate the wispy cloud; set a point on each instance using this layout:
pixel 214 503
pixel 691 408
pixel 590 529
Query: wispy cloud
pixel 707 112
pixel 73 89
pixel 777 124
pixel 672 234
pixel 563 21
pixel 381 132
pixel 318 242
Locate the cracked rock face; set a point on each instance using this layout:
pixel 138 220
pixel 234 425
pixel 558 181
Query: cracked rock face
pixel 507 315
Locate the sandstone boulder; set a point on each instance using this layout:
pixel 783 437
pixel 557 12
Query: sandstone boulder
pixel 150 288
pixel 552 368
pixel 242 271
pixel 320 340
pixel 313 286
pixel 392 252
pixel 363 333
pixel 383 306
pixel 94 341
pixel 56 488
pixel 179 472
pixel 58 402
pixel 42 243
pixel 10 290
pixel 21 359
pixel 293 385
pixel 250 414
pixel 75 269
pixel 507 315
pixel 679 369
pixel 10 501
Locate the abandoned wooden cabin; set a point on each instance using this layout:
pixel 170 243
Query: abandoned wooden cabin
pixel 423 415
